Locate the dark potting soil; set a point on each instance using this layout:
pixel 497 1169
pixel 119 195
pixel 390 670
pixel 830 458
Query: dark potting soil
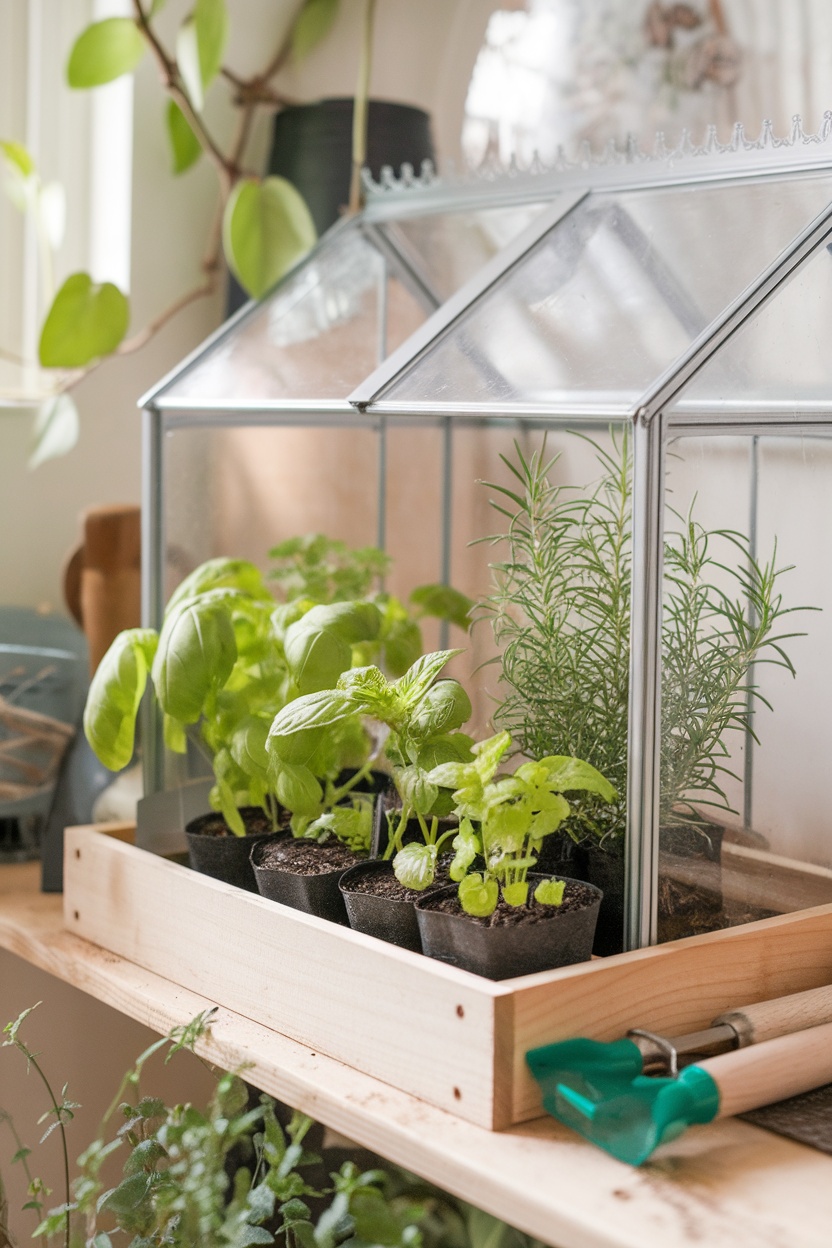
pixel 575 897
pixel 257 823
pixel 300 857
pixel 383 883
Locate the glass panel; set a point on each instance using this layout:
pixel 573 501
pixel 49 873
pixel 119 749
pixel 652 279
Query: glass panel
pixel 613 294
pixel 448 248
pixel 780 357
pixel 745 827
pixel 315 338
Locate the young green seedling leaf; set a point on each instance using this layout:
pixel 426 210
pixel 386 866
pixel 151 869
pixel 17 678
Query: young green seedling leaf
pixel 549 892
pixel 478 895
pixel 312 25
pixel 415 866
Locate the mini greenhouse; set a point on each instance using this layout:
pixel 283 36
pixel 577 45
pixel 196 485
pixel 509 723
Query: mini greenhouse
pixel 634 356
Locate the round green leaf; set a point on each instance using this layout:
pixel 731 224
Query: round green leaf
pixel 442 708
pixel 184 145
pixel 104 51
pixel 312 25
pixel 478 896
pixel 84 323
pixel 415 866
pixel 549 892
pixel 516 894
pixel 298 790
pixel 267 227
pixel 315 659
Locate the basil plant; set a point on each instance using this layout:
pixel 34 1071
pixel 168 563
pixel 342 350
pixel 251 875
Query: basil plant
pixel 224 662
pixel 423 715
pixel 503 821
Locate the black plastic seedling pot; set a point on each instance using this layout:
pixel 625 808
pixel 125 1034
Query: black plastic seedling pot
pixel 225 857
pixel 314 894
pixel 388 918
pixel 505 952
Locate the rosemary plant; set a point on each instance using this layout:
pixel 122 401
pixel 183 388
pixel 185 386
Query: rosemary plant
pixel 560 613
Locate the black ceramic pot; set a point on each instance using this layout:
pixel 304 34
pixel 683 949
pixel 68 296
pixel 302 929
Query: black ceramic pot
pixel 387 918
pixel 505 952
pixel 225 857
pixel 312 148
pixel 314 894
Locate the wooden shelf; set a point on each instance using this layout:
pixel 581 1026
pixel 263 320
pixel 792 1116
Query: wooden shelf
pixel 727 1185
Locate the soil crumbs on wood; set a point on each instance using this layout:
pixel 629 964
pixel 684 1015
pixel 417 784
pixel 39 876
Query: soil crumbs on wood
pixel 575 897
pixel 300 857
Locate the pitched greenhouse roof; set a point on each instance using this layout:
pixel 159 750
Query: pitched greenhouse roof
pixel 622 298
pixel 359 294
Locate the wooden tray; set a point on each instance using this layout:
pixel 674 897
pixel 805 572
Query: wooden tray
pixel 448 1037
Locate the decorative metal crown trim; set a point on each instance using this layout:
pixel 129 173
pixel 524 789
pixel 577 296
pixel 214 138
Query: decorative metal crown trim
pixel 618 162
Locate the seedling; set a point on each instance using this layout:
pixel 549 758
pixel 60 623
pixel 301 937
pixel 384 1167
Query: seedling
pixel 504 820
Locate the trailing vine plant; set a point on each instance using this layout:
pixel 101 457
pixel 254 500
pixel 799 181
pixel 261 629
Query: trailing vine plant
pixel 261 225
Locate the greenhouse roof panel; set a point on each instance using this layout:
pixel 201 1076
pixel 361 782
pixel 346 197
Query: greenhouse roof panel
pixel 606 301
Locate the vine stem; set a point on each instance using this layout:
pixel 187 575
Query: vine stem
pixel 360 109
pixel 32 1060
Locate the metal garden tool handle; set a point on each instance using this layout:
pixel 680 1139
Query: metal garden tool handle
pixel 768 1019
pixel 772 1071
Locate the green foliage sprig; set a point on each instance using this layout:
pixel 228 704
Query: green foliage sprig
pixel 424 715
pixel 233 1175
pixel 503 821
pixel 561 615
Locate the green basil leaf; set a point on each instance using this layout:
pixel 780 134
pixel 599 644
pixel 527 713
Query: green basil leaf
pixel 196 653
pixel 248 746
pixel 84 323
pixel 402 646
pixel 444 603
pixel 221 573
pixel 508 827
pixel 415 866
pixel 549 892
pixel 114 696
pixel 103 52
pixel 174 734
pixel 297 747
pixel 297 789
pixel 441 709
pixel 185 147
pixel 267 227
pixel 516 894
pixel 312 25
pixel 420 676
pixel 453 775
pixel 56 429
pixel 478 896
pixel 211 18
pixel 316 658
pixel 314 710
pixel 416 789
pixel 453 747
